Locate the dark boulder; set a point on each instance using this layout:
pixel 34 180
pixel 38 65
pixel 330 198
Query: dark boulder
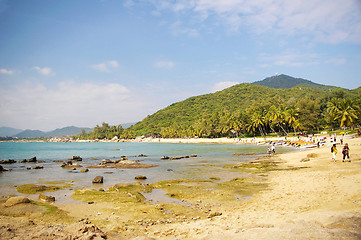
pixel 33 159
pixel 38 167
pixel 76 158
pixel 140 177
pixel 98 179
pixel 2 169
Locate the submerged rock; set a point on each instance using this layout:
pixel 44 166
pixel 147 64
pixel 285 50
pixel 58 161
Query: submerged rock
pixel 84 170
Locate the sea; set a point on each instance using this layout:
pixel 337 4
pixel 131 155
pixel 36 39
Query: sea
pixel 209 162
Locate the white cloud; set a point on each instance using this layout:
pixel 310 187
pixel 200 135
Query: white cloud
pixel 106 66
pixel 327 21
pixel 46 71
pixel 336 61
pixel 37 106
pixel 164 64
pixel 223 85
pixel 178 28
pixel 292 59
pixel 6 71
pixel 83 104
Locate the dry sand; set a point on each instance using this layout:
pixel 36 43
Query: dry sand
pixel 320 199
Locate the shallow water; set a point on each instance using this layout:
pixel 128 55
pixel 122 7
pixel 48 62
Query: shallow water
pixel 208 163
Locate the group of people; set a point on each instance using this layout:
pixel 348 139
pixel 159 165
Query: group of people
pixel 345 152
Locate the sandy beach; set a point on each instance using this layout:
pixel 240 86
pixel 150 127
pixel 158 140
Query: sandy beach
pixel 321 200
pixel 307 196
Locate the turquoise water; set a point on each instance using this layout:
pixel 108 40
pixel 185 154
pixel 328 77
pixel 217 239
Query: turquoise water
pixel 208 163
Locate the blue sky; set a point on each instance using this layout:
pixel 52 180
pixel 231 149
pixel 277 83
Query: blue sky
pixel 85 62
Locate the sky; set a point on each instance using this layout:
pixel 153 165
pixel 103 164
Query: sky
pixel 84 62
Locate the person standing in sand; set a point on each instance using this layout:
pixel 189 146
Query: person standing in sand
pixel 334 152
pixel 346 152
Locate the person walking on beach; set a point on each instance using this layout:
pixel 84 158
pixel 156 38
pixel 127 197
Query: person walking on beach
pixel 334 152
pixel 269 151
pixel 346 152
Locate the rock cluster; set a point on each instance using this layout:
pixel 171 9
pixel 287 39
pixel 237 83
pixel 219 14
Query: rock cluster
pixel 9 161
pixel 177 158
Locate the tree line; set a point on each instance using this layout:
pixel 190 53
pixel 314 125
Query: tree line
pixel 277 117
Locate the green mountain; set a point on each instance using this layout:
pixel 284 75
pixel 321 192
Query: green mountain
pixel 216 114
pixel 284 81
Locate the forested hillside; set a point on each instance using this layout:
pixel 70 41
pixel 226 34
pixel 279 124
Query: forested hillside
pixel 253 109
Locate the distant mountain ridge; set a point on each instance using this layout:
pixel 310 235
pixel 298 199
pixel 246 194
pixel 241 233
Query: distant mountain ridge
pixel 59 132
pixel 8 131
pixel 284 81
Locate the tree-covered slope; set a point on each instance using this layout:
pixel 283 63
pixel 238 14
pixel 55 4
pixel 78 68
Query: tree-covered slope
pixel 240 102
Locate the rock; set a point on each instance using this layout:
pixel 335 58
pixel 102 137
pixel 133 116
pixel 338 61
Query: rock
pixel 33 159
pixel 76 158
pixel 16 200
pixel 140 177
pixel 84 170
pixel 98 179
pixel 10 161
pixel 194 155
pixel 38 167
pixel 170 170
pixel 214 214
pixel 23 161
pixel 45 198
pixel 58 161
pixel 28 168
pixel 107 161
pixel 142 155
pixel 164 158
pixel 2 169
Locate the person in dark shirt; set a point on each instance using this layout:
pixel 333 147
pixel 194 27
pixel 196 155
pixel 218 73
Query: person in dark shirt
pixel 346 153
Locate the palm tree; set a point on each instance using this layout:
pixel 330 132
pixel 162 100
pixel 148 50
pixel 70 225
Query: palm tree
pixel 345 113
pixel 257 121
pixel 291 118
pixel 277 115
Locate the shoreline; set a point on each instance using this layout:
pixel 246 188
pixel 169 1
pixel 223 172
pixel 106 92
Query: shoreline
pixel 310 197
